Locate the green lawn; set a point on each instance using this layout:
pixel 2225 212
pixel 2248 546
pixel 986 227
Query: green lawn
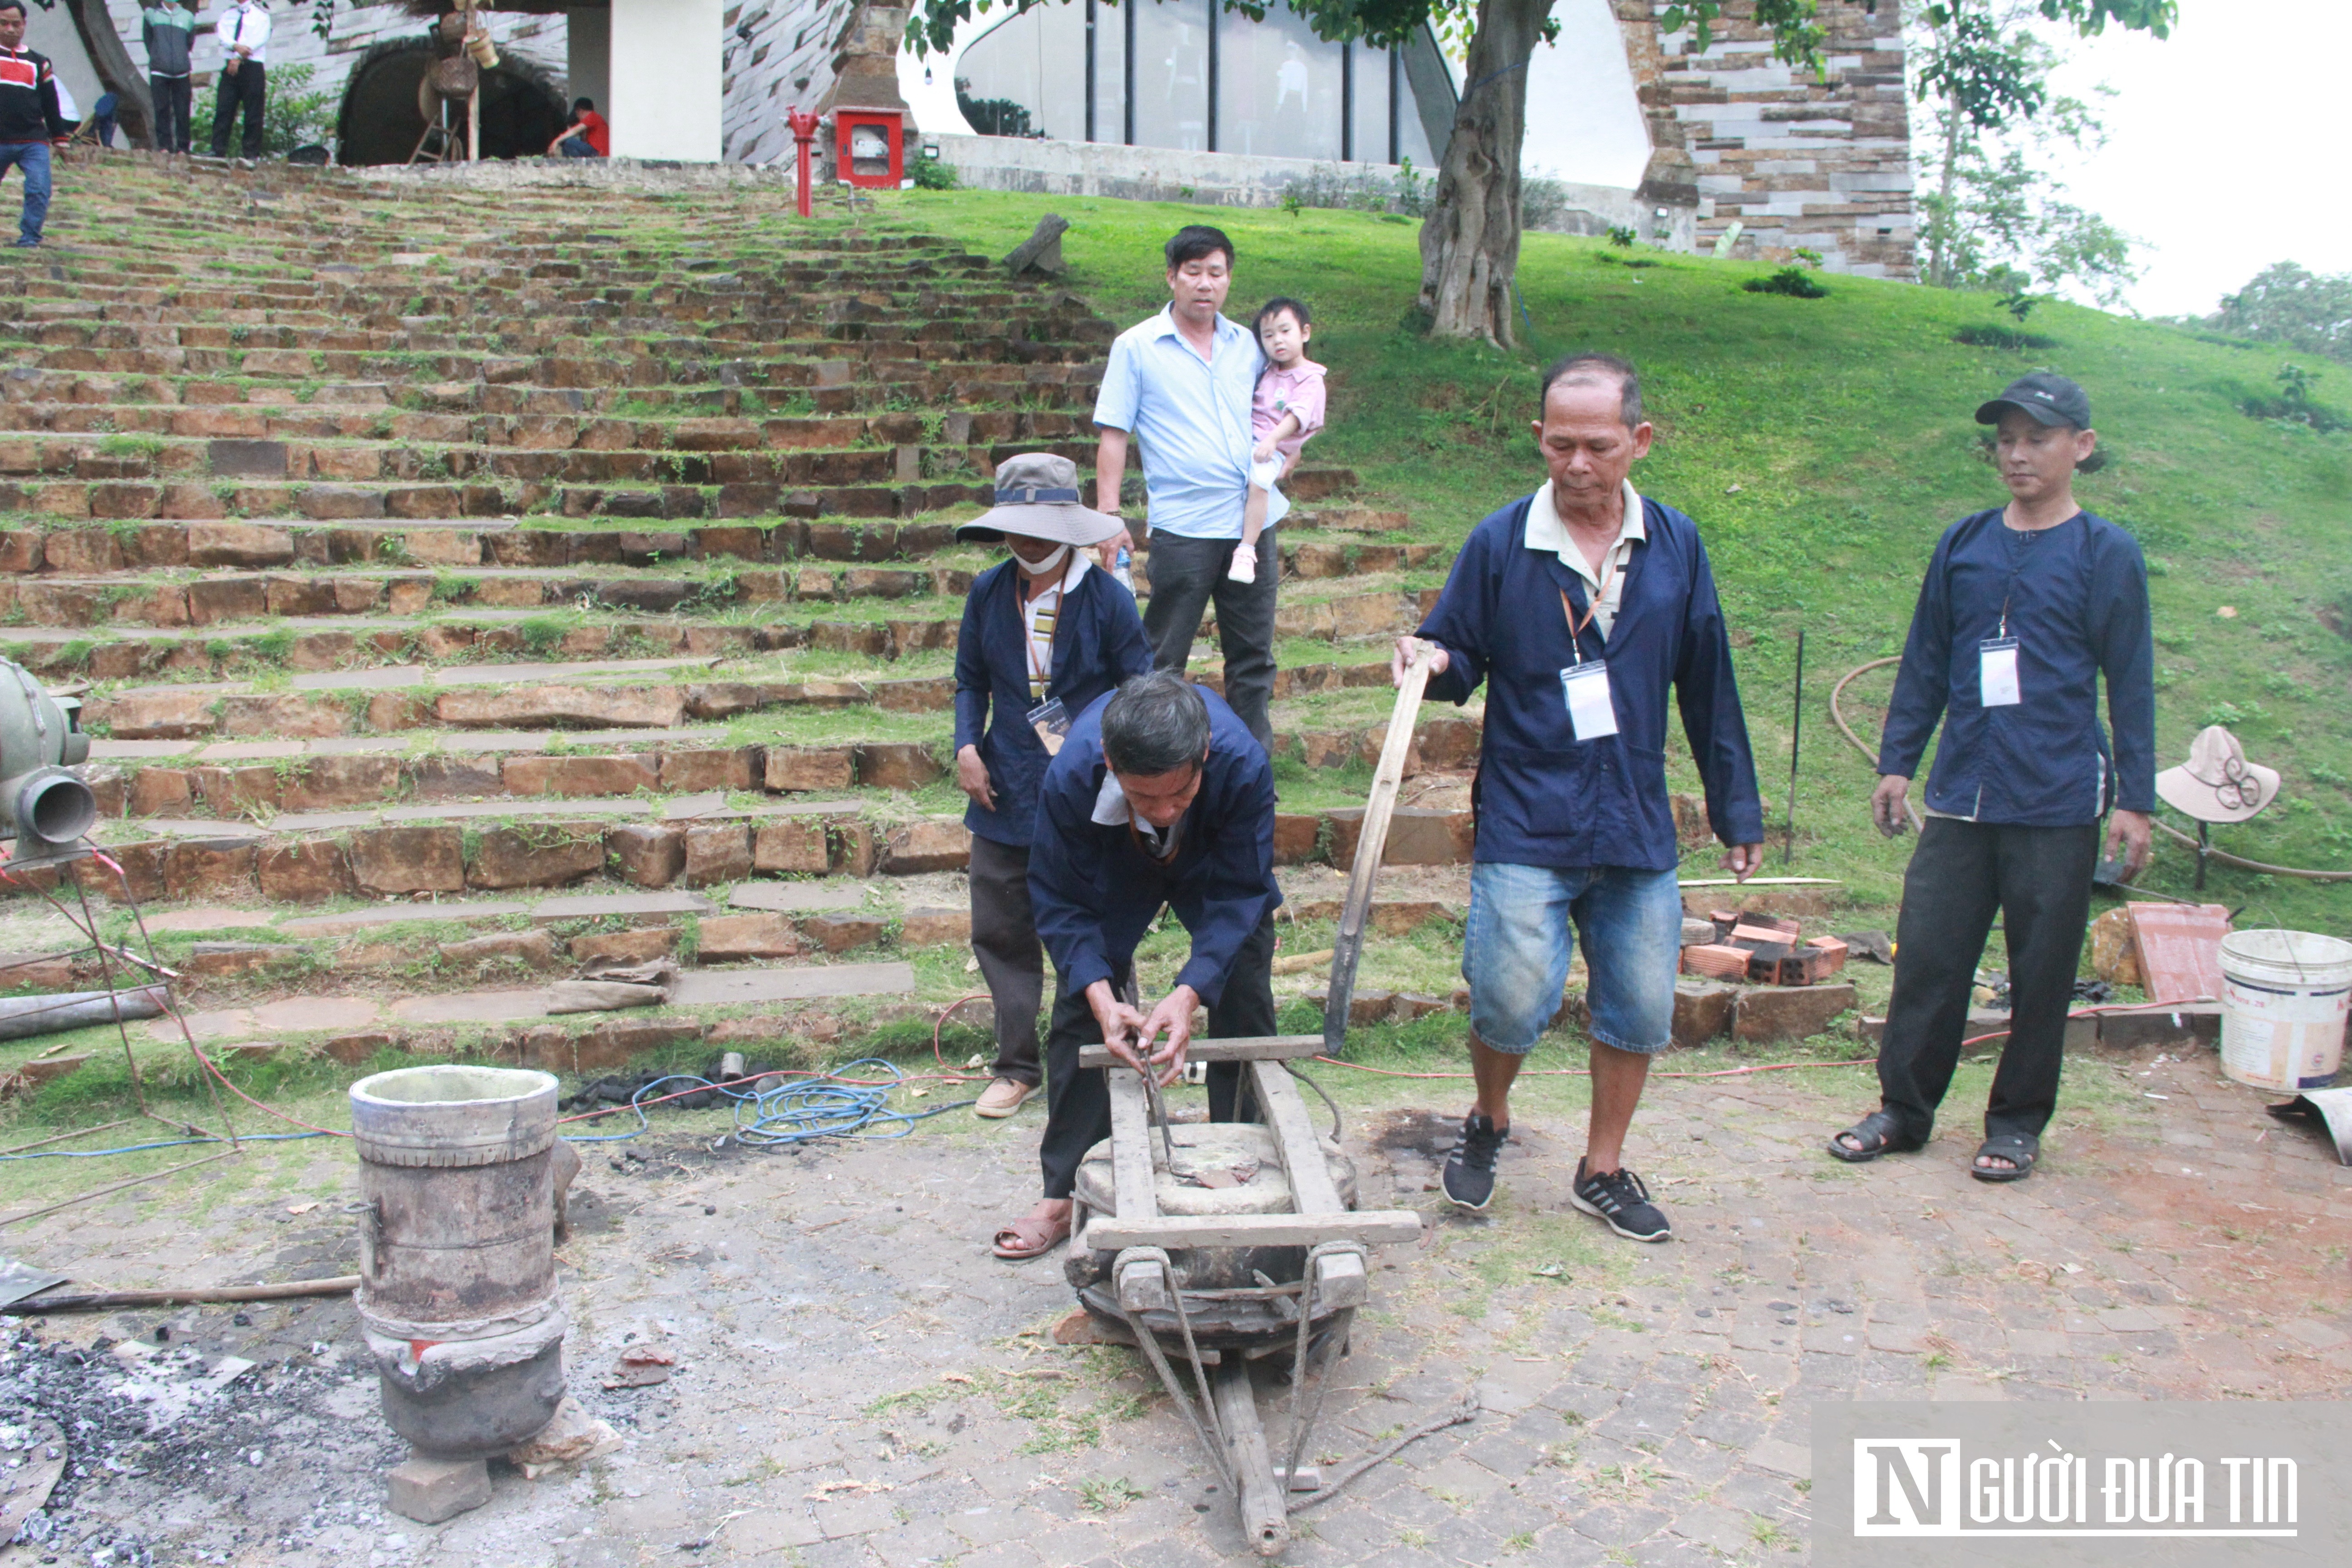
pixel 1822 446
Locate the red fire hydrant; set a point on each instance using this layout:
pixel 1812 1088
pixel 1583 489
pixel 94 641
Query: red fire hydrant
pixel 803 128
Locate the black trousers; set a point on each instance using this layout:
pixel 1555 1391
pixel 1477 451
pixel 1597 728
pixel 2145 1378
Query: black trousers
pixel 246 86
pixel 1004 941
pixel 1186 575
pixel 1078 1100
pixel 172 100
pixel 2039 878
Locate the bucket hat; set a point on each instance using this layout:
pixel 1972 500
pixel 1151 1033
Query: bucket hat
pixel 2217 784
pixel 1037 498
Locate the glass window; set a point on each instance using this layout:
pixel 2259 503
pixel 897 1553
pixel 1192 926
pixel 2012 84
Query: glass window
pixel 1110 71
pixel 1027 76
pixel 1171 74
pixel 1371 107
pixel 1279 87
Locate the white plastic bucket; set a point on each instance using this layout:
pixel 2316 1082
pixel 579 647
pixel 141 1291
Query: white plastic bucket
pixel 2283 1007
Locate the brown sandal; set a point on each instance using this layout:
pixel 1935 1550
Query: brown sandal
pixel 1032 1236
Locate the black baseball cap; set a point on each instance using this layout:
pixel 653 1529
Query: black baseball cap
pixel 2048 399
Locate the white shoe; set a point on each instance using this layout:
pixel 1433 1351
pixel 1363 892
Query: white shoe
pixel 1244 566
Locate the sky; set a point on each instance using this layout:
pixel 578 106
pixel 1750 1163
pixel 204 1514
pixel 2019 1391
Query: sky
pixel 2223 145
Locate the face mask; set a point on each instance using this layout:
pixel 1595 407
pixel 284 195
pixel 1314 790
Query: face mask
pixel 1050 564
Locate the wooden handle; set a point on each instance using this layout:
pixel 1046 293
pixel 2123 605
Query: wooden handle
pixel 1372 844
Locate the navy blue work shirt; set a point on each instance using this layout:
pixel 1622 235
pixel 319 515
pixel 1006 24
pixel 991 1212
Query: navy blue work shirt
pixel 1094 889
pixel 1097 642
pixel 2077 605
pixel 1543 797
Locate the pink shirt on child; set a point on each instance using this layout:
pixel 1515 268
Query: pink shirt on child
pixel 1298 390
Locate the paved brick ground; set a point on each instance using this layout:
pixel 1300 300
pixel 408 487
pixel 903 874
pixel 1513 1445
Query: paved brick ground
pixel 860 1385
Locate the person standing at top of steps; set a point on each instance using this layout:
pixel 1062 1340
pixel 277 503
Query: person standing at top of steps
pixel 1044 635
pixel 2025 609
pixel 1159 796
pixel 168 29
pixel 244 31
pixel 30 120
pixel 1582 607
pixel 1182 383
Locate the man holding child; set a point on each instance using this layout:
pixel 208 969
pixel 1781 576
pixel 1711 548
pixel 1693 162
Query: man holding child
pixel 1192 386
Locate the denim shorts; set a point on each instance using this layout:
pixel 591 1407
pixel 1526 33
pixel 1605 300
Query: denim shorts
pixel 1516 952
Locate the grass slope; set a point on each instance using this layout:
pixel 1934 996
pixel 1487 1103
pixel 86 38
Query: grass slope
pixel 1823 444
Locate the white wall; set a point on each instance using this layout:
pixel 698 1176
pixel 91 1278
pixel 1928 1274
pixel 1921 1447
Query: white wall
pixel 668 104
pixel 53 33
pixel 1585 124
pixel 588 46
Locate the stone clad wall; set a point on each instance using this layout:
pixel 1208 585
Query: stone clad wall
pixel 1798 161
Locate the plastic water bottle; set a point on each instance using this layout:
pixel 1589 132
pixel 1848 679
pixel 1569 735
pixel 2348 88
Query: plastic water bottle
pixel 1124 569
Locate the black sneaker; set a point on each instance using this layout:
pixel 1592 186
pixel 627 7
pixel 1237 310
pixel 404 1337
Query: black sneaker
pixel 1470 1169
pixel 1620 1198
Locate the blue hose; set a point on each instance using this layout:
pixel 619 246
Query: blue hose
pixel 166 1144
pixel 800 1112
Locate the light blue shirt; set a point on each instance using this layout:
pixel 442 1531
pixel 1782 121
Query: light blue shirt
pixel 1192 418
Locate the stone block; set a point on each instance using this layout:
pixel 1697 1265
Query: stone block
pixel 650 855
pixel 728 768
pixel 240 543
pixel 408 861
pixel 940 844
pixel 729 937
pixel 720 852
pixel 210 869
pixel 220 960
pixel 161 715
pixel 355 1048
pixel 2115 956
pixel 614 1044
pixel 531 949
pixel 1417 836
pixel 237 791
pixel 1703 1011
pixel 902 764
pixel 214 599
pixel 576 776
pixel 146 871
pixel 840 931
pixel 308 872
pixel 329 783
pixel 857 847
pixel 1788 1011
pixel 432 1491
pixel 929 926
pixel 639 946
pixel 546 855
pixel 791 846
pixel 810 767
pixel 455 776
pixel 1296 837
pixel 158 792
pixel 1447 745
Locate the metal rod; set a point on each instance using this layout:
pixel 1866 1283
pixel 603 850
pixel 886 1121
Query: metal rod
pixel 1796 742
pixel 61 1137
pixel 117 1186
pixel 342 1285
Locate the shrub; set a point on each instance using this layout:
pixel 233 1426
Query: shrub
pixel 2292 403
pixel 1794 280
pixel 291 118
pixel 934 175
pixel 1993 335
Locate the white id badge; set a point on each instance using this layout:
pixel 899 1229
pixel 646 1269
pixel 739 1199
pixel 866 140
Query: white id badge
pixel 1997 685
pixel 1051 722
pixel 1590 712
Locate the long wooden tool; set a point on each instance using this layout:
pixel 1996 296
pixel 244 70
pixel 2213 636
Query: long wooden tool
pixel 1371 843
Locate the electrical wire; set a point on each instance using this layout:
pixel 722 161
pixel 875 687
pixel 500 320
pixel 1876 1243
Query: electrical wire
pixel 819 1105
pixel 165 1143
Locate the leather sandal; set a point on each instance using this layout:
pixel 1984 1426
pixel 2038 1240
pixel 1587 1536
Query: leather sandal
pixel 1032 1236
pixel 1877 1134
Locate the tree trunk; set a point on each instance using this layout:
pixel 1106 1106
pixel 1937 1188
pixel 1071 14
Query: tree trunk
pixel 116 74
pixel 1470 241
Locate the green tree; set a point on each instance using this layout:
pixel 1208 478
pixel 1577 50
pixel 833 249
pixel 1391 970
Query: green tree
pixel 1994 216
pixel 2289 304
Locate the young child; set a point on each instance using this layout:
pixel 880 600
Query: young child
pixel 1287 408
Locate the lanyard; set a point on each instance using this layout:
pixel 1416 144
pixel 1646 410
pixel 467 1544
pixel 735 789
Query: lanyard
pixel 1143 847
pixel 1593 607
pixel 1039 678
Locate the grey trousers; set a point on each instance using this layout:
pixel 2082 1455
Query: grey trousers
pixel 1186 575
pixel 1004 940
